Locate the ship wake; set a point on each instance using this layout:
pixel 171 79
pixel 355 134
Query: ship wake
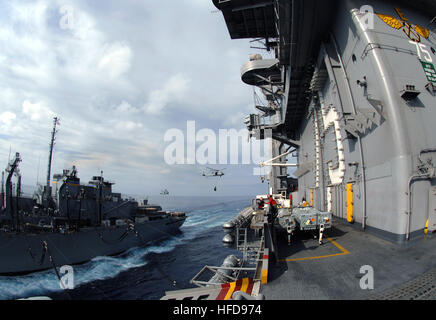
pixel 101 268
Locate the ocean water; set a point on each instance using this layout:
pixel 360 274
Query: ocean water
pixel 144 272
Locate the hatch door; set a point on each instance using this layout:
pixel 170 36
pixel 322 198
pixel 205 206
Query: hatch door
pixel 432 209
pixel 350 217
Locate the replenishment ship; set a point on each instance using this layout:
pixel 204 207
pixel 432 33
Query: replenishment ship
pixel 76 224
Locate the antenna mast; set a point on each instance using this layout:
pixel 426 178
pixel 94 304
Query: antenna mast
pixel 50 156
pixel 2 194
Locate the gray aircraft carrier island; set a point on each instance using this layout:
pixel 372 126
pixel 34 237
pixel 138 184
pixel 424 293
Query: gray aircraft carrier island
pixel 349 96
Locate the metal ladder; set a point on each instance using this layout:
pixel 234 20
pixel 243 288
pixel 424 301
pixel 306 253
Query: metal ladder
pixel 250 251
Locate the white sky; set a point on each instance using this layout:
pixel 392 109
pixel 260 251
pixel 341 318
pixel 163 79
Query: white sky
pixel 125 73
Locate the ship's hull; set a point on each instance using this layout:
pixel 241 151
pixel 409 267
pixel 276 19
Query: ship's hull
pixel 21 254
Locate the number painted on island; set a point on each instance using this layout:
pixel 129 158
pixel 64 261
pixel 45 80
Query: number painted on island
pixel 421 50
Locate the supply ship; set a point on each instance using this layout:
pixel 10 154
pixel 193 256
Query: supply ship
pixel 348 98
pixel 76 224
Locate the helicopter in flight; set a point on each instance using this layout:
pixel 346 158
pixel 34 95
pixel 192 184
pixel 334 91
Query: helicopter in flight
pixel 211 172
pixel 164 192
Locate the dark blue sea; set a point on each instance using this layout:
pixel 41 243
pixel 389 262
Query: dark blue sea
pixel 144 272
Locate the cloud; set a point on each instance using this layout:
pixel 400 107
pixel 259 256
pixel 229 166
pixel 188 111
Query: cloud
pixel 116 59
pixel 125 108
pixel 7 117
pixel 92 161
pixel 128 125
pixel 173 90
pixel 37 111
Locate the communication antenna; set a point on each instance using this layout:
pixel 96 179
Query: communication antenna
pixel 271 162
pixel 2 194
pixel 37 172
pixel 50 156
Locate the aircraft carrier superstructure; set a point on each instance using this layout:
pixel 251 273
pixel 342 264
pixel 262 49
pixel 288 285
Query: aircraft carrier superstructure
pixel 349 93
pixel 352 89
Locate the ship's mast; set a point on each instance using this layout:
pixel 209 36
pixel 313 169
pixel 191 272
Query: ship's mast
pixel 12 169
pixel 100 197
pixel 17 198
pixel 50 156
pixel 2 194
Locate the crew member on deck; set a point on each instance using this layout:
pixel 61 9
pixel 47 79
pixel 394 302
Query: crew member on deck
pixel 272 212
pixel 260 203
